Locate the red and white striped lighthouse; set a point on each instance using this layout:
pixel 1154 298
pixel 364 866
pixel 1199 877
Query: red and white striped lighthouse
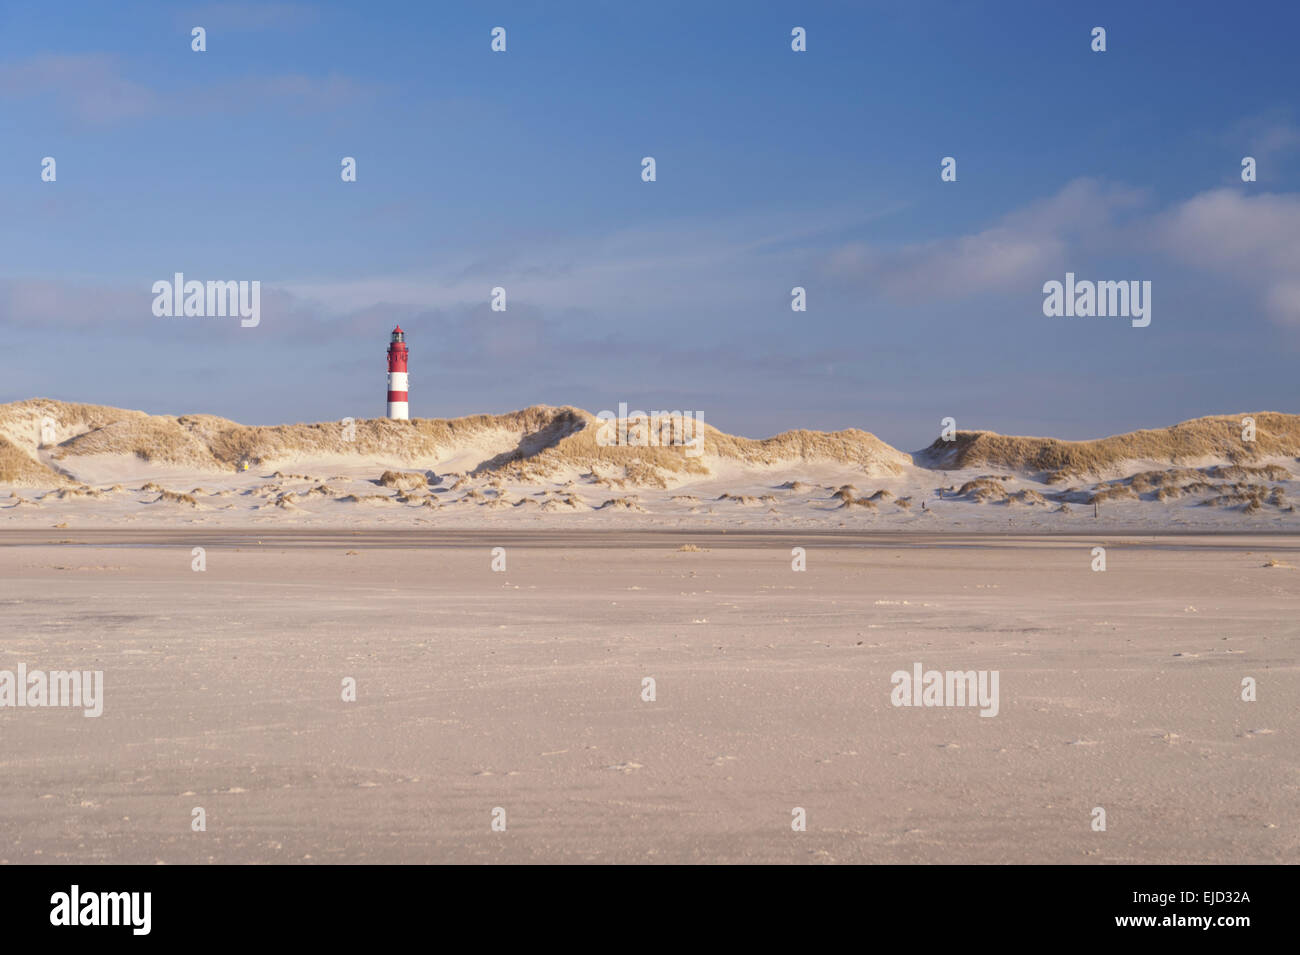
pixel 397 351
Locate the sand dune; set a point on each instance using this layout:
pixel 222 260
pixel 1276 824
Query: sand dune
pixel 21 469
pixel 545 464
pixel 540 441
pixel 1200 440
pixel 535 443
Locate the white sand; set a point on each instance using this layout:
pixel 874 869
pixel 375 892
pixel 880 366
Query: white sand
pixel 521 690
pixel 248 499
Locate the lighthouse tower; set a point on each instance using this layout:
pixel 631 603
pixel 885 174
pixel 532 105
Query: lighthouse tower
pixel 397 351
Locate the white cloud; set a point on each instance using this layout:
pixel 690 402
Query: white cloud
pixel 1253 240
pixel 1015 253
pixel 1250 240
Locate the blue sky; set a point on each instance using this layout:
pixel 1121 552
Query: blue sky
pixel 775 169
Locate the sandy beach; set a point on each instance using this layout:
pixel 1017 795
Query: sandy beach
pixel 479 690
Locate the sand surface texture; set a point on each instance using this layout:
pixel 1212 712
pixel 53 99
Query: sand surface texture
pixel 521 690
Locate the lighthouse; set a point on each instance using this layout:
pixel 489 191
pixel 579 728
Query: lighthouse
pixel 397 351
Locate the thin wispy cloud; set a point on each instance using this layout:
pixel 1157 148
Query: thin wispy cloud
pixel 1252 242
pixel 248 17
pixel 1269 138
pixel 88 86
pixel 94 88
pixel 1019 250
